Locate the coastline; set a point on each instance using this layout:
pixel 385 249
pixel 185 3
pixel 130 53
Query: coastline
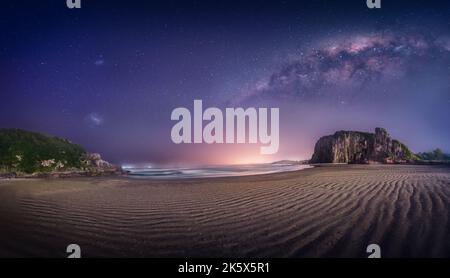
pixel 199 172
pixel 119 172
pixel 62 174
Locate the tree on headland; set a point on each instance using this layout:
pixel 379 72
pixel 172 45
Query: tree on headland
pixel 435 155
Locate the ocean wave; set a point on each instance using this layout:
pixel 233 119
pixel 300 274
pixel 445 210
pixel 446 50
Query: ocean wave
pixel 214 171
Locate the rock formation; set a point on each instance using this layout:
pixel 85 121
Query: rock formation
pixel 95 160
pixel 361 147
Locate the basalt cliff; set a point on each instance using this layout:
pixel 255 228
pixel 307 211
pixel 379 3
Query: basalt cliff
pixel 361 148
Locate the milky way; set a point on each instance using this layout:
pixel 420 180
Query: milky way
pixel 344 67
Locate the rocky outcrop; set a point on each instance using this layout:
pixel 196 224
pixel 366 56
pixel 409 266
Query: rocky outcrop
pixel 94 165
pixel 95 160
pixel 361 147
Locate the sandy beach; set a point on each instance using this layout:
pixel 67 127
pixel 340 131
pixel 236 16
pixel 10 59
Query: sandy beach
pixel 331 211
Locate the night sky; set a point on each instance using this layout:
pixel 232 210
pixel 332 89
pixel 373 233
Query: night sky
pixel 107 76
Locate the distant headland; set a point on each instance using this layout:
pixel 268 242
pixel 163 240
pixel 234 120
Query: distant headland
pixel 31 154
pixel 355 147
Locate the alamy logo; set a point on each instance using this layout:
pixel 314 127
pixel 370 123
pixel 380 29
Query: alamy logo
pixel 374 4
pixel 234 122
pixel 73 4
pixel 74 251
pixel 374 250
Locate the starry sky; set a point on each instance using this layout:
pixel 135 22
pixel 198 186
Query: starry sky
pixel 107 76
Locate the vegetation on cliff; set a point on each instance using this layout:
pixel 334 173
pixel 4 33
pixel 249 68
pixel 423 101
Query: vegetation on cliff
pixel 24 152
pixel 435 155
pixel 31 152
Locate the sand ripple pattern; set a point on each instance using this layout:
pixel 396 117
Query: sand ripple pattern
pixel 331 211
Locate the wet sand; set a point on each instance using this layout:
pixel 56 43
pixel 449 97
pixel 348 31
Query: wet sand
pixel 331 211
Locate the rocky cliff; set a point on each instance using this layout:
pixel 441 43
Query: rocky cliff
pixel 361 147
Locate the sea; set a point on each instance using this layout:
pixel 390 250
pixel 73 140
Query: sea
pixel 213 171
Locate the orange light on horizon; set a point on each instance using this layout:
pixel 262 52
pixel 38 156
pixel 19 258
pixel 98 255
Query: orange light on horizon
pixel 231 154
pixel 256 159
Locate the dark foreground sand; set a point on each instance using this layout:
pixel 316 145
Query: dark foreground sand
pixel 331 211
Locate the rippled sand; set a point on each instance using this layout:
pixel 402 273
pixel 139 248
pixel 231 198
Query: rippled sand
pixel 333 211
